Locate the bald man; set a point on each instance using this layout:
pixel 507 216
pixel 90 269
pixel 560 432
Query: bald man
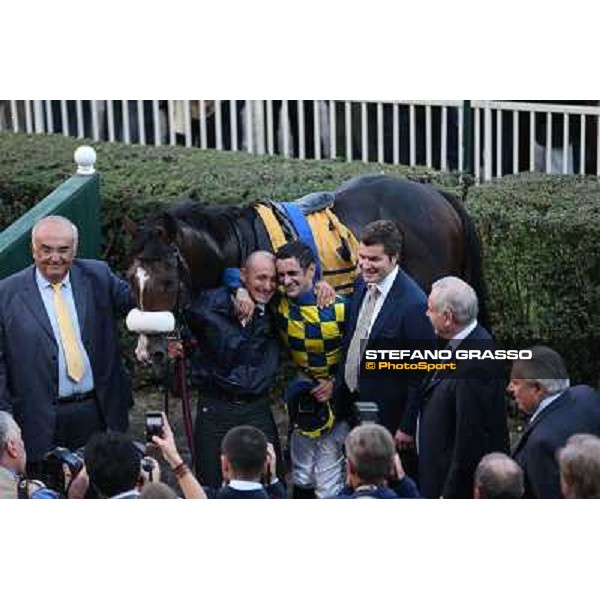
pixel 235 366
pixel 61 374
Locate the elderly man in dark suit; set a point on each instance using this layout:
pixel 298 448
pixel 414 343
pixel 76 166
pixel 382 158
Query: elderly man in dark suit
pixel 463 415
pixel 387 305
pixel 557 411
pixel 61 373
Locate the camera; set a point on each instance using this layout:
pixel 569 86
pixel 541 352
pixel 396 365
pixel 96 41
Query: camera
pixel 366 412
pixel 54 463
pixel 154 425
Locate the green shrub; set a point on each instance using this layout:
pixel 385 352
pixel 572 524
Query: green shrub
pixel 540 237
pixel 540 233
pixel 138 180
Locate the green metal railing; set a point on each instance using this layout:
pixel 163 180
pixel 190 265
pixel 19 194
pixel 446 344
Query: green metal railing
pixel 77 199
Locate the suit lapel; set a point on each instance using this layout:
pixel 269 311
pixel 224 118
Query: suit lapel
pixel 430 384
pixel 435 378
pixel 359 292
pixel 33 300
pixel 390 305
pixel 547 411
pixel 82 295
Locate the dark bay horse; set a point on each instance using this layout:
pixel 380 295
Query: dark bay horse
pixel 185 249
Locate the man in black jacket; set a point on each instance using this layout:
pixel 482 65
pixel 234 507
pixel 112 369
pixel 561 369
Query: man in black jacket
pixel 236 364
pixel 247 458
pixel 463 415
pixel 542 389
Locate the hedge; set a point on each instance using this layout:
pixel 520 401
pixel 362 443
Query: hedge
pixel 137 180
pixel 540 236
pixel 540 233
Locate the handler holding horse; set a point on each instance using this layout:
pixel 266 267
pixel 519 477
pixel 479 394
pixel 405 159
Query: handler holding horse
pixel 236 367
pixel 186 249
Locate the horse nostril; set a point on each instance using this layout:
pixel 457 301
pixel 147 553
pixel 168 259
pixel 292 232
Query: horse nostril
pixel 159 356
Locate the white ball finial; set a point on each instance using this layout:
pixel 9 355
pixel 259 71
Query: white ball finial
pixel 85 157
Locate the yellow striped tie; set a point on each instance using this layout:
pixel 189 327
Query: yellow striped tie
pixel 70 346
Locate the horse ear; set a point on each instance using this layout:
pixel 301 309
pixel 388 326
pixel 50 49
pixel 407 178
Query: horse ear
pixel 130 226
pixel 169 223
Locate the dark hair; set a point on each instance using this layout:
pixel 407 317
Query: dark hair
pixel 499 476
pixel 299 250
pixel 112 463
pixel 385 233
pixel 246 450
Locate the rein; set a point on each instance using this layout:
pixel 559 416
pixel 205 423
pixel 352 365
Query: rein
pixel 179 369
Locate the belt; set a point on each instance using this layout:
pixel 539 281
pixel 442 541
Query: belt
pixel 222 396
pixel 73 398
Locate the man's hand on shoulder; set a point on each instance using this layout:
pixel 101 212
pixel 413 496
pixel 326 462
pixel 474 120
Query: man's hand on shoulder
pixel 243 305
pixel 324 293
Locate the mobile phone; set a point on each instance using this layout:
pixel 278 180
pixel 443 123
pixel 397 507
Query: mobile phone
pixel 154 424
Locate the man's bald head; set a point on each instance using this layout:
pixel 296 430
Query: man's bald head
pixel 54 246
pixel 259 276
pixel 259 258
pixel 55 223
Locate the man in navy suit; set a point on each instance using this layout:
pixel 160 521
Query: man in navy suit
pixel 542 390
pixel 387 305
pixel 61 373
pixel 463 415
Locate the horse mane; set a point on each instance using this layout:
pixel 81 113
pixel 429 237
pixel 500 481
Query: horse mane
pixel 216 226
pixel 202 215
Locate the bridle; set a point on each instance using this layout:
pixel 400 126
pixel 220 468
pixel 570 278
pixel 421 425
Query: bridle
pixel 179 373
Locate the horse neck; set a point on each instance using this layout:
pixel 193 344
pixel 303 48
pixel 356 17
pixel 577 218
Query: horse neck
pixel 207 254
pixel 245 229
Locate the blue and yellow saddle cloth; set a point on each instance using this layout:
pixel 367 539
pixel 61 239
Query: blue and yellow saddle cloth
pixel 311 220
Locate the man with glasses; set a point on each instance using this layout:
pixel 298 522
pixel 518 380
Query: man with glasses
pixel 61 374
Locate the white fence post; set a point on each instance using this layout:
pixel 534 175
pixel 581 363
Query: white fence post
pixel 418 132
pixel 85 157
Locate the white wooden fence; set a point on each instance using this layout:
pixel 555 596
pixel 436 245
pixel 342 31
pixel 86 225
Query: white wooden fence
pixel 500 137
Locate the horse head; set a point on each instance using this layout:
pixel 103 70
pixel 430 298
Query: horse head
pixel 159 279
pixel 157 272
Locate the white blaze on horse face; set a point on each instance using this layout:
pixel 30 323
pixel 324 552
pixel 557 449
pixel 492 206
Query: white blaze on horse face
pixel 141 350
pixel 142 277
